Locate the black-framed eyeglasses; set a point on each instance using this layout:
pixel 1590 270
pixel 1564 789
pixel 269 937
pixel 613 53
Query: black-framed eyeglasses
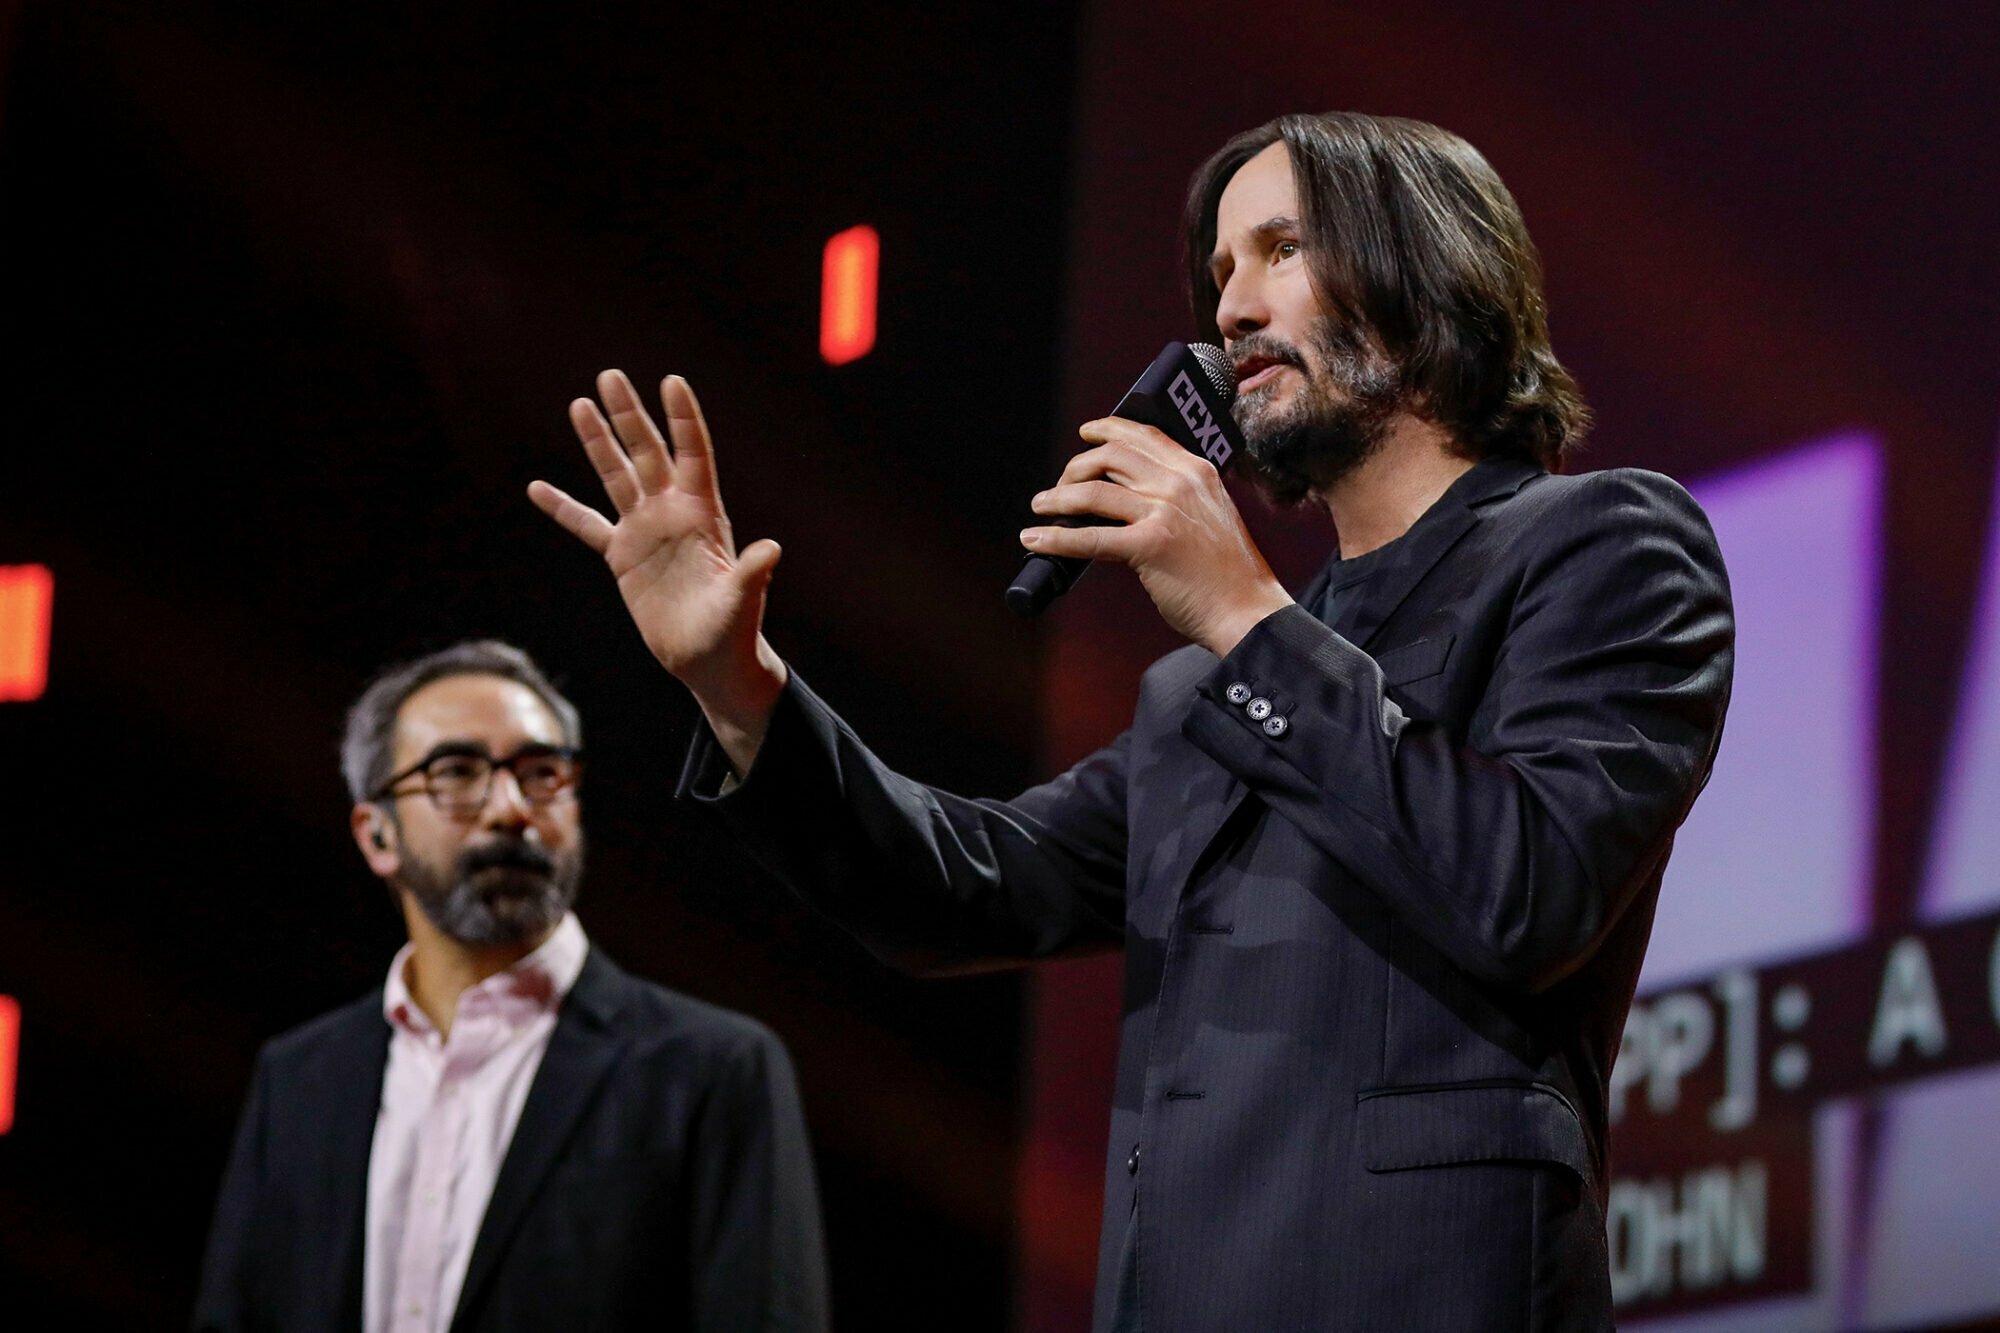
pixel 458 778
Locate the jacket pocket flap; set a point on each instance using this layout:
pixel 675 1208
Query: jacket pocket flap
pixel 1415 661
pixel 1398 1130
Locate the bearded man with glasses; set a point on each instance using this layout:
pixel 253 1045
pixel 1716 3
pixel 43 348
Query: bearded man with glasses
pixel 512 1133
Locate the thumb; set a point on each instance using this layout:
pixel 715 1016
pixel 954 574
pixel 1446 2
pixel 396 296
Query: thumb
pixel 755 565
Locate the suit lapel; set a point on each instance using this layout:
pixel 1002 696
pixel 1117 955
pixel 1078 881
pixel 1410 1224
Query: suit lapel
pixel 1419 549
pixel 346 1098
pixel 586 1044
pixel 1212 795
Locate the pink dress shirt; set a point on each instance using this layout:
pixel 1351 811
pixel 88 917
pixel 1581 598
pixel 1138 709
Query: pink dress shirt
pixel 448 1113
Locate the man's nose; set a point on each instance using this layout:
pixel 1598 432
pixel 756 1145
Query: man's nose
pixel 506 805
pixel 1239 311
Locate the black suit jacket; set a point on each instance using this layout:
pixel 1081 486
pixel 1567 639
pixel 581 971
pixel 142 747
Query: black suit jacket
pixel 1377 955
pixel 659 1178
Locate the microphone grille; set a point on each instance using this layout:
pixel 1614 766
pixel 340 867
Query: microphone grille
pixel 1221 371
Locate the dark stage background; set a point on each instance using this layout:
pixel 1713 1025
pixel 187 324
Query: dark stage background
pixel 298 296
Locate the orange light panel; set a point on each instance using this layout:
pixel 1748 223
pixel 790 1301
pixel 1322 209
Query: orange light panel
pixel 847 295
pixel 27 595
pixel 10 1050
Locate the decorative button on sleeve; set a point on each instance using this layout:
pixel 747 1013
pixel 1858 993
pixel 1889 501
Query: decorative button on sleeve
pixel 1258 709
pixel 1275 727
pixel 1239 693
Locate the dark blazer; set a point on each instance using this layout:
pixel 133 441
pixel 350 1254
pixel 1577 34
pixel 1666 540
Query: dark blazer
pixel 1379 940
pixel 659 1178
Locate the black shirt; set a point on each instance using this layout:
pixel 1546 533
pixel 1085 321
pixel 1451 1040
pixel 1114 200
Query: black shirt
pixel 1345 583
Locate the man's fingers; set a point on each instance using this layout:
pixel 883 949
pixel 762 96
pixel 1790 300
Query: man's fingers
pixel 1146 440
pixel 694 452
pixel 590 527
pixel 1087 466
pixel 642 439
pixel 1096 543
pixel 614 469
pixel 1114 460
pixel 1103 498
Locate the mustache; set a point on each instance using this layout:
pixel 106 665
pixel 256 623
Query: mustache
pixel 1268 347
pixel 510 853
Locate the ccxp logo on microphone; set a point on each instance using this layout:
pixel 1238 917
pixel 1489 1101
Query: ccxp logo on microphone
pixel 1194 410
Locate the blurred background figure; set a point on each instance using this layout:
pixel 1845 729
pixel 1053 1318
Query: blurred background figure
pixel 512 1133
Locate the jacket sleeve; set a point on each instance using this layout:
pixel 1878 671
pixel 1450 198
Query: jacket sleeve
pixel 757 1256
pixel 930 882
pixel 1515 851
pixel 224 1304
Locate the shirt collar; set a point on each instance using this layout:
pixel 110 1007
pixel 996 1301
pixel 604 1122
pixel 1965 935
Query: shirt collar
pixel 535 985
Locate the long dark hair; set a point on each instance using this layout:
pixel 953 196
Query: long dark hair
pixel 1412 238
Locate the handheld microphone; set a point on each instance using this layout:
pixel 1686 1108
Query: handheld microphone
pixel 1185 395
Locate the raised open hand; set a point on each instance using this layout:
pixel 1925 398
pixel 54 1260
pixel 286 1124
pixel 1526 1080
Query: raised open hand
pixel 697 601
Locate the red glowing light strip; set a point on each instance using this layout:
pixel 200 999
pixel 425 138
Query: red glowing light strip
pixel 847 295
pixel 27 595
pixel 10 1048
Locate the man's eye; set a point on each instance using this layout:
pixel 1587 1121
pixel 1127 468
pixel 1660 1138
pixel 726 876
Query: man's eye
pixel 1286 249
pixel 457 769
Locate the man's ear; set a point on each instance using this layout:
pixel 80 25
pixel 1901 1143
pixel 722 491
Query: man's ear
pixel 376 835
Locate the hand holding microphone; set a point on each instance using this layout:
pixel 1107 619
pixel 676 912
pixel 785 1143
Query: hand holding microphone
pixel 1186 394
pixel 1155 476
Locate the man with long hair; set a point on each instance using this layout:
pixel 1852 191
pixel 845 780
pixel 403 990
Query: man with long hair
pixel 1382 857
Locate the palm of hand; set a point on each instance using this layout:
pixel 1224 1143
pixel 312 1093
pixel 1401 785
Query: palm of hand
pixel 696 601
pixel 675 563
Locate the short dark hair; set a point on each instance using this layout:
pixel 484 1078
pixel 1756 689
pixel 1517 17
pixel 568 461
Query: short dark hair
pixel 1412 238
pixel 369 740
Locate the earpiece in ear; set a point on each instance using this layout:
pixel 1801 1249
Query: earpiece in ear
pixel 381 843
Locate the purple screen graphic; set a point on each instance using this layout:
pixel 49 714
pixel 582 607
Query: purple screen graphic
pixel 1776 857
pixel 1805 1099
pixel 1930 1250
pixel 1965 849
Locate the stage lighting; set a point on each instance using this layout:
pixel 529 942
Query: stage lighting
pixel 847 295
pixel 10 1049
pixel 27 593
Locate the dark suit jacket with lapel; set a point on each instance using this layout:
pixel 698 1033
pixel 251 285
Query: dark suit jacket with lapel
pixel 1378 957
pixel 659 1178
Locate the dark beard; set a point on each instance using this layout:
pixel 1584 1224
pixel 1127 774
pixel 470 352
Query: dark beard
pixel 1335 422
pixel 505 891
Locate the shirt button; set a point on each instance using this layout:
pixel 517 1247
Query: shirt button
pixel 1132 1162
pixel 1276 726
pixel 1258 709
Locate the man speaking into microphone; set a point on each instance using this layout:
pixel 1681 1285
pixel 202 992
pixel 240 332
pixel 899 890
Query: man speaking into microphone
pixel 1382 856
